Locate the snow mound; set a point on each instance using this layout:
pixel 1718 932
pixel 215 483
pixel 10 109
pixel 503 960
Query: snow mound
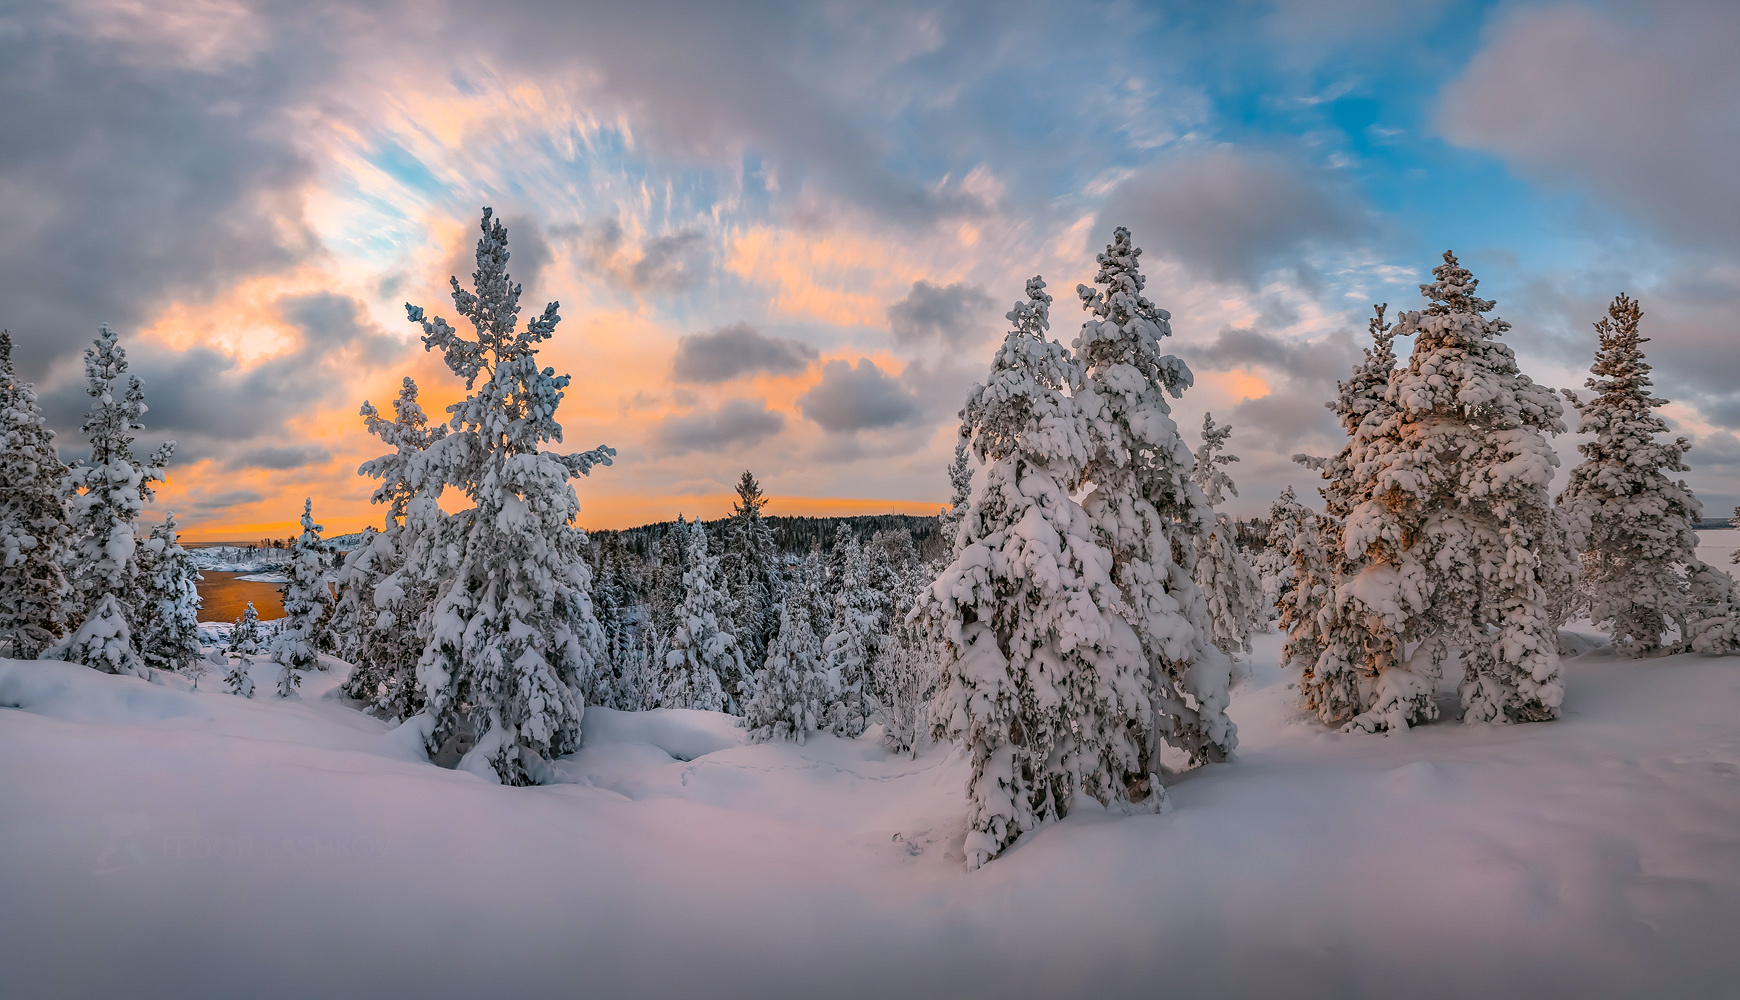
pixel 683 734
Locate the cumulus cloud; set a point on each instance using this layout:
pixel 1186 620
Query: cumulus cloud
pixel 1639 105
pixel 1231 214
pixel 951 315
pixel 734 423
pixel 1303 374
pixel 858 397
pixel 739 349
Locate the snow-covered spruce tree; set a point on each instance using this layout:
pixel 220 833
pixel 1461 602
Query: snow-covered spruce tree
pixel 389 582
pixel 1042 679
pixel 854 629
pixel 1631 522
pixel 1145 508
pixel 112 487
pixel 1452 520
pixel 787 702
pixel 704 667
pixel 750 572
pixel 904 667
pixel 1330 642
pixel 33 530
pixel 1227 581
pixel 512 637
pixel 1274 564
pixel 245 638
pixel 307 599
pixel 960 491
pixel 169 621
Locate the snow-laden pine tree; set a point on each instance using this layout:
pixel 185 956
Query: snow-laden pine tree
pixel 853 631
pixel 112 487
pixel 1632 524
pixel 245 638
pixel 960 492
pixel 1144 506
pixel 787 702
pixel 1274 564
pixel 1228 583
pixel 1331 643
pixel 307 600
pixel 169 621
pixel 389 582
pixel 512 637
pixel 1452 525
pixel 1042 680
pixel 904 668
pixel 749 569
pixel 704 665
pixel 33 530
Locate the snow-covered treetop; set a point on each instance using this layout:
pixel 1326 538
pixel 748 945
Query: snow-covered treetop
pixel 1022 407
pixel 1210 472
pixel 1453 290
pixel 310 537
pixel 514 411
pixel 111 424
pixel 1365 389
pixel 408 433
pixel 1127 327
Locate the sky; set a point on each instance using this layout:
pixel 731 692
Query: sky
pixel 783 236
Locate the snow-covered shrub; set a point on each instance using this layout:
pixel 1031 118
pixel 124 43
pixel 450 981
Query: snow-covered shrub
pixel 1228 583
pixel 511 636
pixel 33 529
pixel 1144 507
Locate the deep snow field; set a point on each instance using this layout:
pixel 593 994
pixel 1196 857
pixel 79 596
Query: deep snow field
pixel 162 842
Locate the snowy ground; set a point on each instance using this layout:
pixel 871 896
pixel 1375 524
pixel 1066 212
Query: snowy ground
pixel 159 842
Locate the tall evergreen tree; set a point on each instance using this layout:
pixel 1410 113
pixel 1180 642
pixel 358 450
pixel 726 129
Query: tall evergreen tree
pixel 1145 508
pixel 1451 523
pixel 112 487
pixel 1228 583
pixel 750 566
pixel 704 667
pixel 1042 679
pixel 169 632
pixel 307 600
pixel 960 492
pixel 33 529
pixel 512 636
pixel 787 702
pixel 1274 564
pixel 389 582
pixel 1330 642
pixel 854 628
pixel 1633 525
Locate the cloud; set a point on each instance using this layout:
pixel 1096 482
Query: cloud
pixel 279 459
pixel 140 182
pixel 952 315
pixel 739 349
pixel 1305 372
pixel 734 423
pixel 224 501
pixel 857 397
pixel 1232 214
pixel 1640 106
pixel 674 262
